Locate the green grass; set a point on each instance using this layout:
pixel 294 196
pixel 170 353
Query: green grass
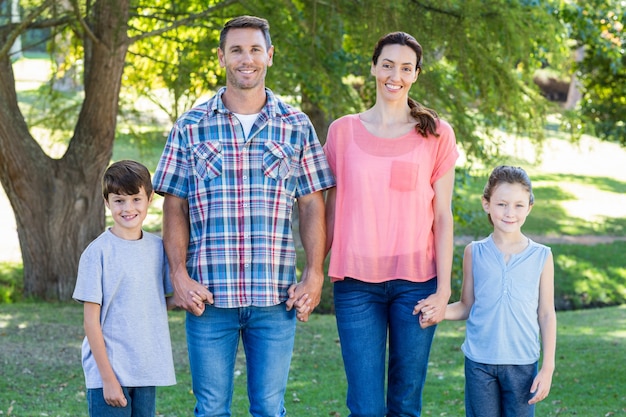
pixel 42 376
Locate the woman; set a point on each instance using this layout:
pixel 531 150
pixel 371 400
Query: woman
pixel 390 228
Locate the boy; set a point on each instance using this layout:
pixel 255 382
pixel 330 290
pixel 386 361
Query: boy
pixel 122 282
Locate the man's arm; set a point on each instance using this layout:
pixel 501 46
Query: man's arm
pixel 306 294
pixel 176 242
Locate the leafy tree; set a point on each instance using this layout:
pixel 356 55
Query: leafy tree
pixel 597 26
pixel 479 59
pixel 57 202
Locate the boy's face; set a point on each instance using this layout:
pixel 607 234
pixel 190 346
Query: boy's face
pixel 128 212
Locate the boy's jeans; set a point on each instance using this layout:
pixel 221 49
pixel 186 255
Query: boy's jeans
pixel 141 403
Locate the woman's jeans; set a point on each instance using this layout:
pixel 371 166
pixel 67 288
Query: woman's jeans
pixel 141 403
pixel 498 390
pixel 267 334
pixel 366 315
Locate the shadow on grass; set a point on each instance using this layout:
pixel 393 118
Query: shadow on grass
pixel 589 276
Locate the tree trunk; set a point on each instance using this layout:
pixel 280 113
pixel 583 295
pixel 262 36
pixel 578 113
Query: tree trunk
pixel 318 117
pixel 58 204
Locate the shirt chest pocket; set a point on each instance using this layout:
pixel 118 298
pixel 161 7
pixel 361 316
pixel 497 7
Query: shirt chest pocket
pixel 207 160
pixel 277 160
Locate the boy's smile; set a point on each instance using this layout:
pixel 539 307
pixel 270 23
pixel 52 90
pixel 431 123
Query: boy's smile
pixel 128 213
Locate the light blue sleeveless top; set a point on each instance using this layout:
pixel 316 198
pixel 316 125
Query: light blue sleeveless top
pixel 503 328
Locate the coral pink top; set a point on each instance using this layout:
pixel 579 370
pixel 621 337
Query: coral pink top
pixel 383 212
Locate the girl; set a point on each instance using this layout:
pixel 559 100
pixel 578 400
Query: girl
pixel 508 301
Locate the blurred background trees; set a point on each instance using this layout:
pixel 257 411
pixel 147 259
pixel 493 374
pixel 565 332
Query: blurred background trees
pixel 489 66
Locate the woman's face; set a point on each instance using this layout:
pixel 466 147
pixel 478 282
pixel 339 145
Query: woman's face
pixel 395 71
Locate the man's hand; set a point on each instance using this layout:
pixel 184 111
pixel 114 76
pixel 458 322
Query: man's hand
pixel 306 295
pixel 190 295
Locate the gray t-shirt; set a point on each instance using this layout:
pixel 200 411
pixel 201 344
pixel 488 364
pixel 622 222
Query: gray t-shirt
pixel 129 279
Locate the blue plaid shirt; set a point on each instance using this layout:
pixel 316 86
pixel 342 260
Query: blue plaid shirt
pixel 241 193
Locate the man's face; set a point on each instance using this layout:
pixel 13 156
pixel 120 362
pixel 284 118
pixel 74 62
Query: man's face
pixel 246 58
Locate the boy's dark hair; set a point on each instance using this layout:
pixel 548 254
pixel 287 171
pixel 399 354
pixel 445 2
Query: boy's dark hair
pixel 126 177
pixel 247 22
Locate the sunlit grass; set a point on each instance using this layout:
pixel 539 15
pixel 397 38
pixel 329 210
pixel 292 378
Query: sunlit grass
pixel 42 375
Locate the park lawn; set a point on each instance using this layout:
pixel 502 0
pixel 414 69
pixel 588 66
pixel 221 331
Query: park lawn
pixel 41 373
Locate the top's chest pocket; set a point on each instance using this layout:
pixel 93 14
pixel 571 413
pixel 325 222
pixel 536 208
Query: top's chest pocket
pixel 207 160
pixel 277 160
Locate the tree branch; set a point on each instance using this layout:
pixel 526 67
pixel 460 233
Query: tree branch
pixel 84 24
pixel 182 22
pixel 436 10
pixel 22 26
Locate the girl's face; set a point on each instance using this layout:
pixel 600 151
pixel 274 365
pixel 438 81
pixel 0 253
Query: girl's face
pixel 508 207
pixel 395 71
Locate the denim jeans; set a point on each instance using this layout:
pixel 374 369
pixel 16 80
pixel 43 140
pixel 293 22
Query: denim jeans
pixel 367 314
pixel 141 403
pixel 267 334
pixel 498 390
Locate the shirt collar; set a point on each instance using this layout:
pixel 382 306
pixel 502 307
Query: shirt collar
pixel 270 109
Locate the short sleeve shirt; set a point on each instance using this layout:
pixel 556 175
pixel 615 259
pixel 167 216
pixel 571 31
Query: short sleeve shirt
pixel 383 227
pixel 241 193
pixel 129 280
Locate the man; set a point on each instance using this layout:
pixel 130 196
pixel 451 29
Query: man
pixel 230 173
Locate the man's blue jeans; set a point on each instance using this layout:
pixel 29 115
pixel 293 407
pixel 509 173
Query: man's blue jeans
pixel 267 334
pixel 141 403
pixel 366 313
pixel 498 390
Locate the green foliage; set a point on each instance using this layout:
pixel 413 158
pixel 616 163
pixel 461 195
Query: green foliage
pixel 598 27
pixel 11 282
pixel 175 69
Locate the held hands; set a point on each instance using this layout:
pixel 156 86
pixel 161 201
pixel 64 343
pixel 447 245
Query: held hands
pixel 431 311
pixel 190 295
pixel 305 295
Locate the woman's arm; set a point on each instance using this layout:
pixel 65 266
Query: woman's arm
pixel 443 227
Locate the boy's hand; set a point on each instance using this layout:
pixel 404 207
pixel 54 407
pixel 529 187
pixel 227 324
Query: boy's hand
pixel 113 394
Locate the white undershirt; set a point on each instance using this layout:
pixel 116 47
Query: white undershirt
pixel 247 121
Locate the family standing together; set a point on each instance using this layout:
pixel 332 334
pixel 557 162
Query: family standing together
pixel 377 197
